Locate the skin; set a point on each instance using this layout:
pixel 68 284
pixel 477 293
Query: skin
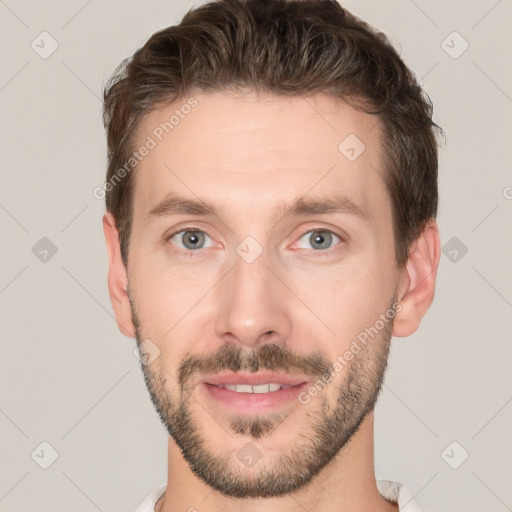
pixel 248 153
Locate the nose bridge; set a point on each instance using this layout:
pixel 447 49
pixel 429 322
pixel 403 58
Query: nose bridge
pixel 253 302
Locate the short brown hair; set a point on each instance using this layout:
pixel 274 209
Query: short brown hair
pixel 283 47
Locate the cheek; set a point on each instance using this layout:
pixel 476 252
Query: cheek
pixel 173 306
pixel 164 288
pixel 164 303
pixel 348 298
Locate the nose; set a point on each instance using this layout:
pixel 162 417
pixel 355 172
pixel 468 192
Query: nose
pixel 253 304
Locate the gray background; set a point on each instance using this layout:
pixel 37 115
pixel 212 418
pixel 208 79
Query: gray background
pixel 70 379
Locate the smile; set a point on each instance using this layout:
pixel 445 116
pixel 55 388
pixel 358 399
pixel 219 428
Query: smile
pixel 259 388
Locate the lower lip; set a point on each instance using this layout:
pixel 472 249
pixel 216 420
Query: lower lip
pixel 254 402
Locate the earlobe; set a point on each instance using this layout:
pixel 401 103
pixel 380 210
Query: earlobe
pixel 117 277
pixel 417 285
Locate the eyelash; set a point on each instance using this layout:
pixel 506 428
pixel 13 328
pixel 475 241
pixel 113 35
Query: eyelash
pixel 188 252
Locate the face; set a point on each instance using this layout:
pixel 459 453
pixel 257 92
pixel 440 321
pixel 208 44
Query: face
pixel 256 297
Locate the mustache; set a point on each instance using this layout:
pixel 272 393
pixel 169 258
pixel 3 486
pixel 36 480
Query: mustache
pixel 273 357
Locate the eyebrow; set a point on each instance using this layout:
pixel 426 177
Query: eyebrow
pixel 174 204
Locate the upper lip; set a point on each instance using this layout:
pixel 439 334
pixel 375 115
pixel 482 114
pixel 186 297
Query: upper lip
pixel 253 379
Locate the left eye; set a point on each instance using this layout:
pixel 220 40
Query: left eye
pixel 319 239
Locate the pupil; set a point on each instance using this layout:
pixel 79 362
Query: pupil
pixel 192 239
pixel 321 239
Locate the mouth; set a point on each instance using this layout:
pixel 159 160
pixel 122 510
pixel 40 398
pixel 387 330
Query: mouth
pixel 249 393
pixel 259 388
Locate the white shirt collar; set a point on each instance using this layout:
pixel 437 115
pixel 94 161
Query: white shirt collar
pixel 392 491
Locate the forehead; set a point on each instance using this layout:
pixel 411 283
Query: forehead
pixel 259 149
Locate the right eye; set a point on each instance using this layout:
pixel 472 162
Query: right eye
pixel 188 240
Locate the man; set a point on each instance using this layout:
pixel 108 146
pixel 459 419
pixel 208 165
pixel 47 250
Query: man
pixel 271 200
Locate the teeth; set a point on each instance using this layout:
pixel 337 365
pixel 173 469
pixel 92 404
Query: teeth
pixel 247 388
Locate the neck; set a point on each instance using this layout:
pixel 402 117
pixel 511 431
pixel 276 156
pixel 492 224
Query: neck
pixel 347 483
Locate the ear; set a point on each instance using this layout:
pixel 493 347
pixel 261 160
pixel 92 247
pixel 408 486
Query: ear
pixel 418 281
pixel 117 278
